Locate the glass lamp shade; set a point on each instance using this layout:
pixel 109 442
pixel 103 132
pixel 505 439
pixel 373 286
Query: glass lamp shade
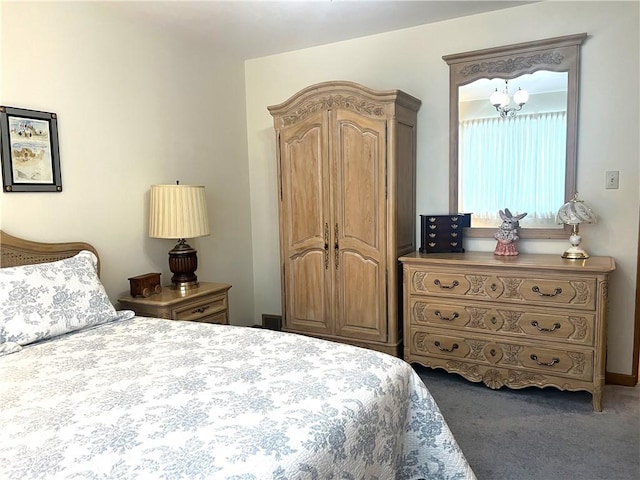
pixel 179 212
pixel 521 97
pixel 499 99
pixel 574 213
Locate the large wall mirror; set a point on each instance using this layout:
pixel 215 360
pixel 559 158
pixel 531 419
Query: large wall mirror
pixel 513 133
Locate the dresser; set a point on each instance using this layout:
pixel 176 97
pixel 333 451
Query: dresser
pixel 526 320
pixel 346 163
pixel 209 303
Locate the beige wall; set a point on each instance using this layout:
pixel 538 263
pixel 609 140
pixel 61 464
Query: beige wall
pixel 411 60
pixel 135 107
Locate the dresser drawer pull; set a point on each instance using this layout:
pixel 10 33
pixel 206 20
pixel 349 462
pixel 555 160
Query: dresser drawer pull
pixel 553 361
pixel 556 291
pixel 556 326
pixel 452 317
pixel 201 309
pixel 442 349
pixel 453 285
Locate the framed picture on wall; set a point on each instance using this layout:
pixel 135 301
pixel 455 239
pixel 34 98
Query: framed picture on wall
pixel 29 148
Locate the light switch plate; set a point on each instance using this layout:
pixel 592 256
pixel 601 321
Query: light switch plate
pixel 612 179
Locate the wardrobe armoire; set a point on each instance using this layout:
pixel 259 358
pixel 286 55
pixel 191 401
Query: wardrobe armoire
pixel 346 159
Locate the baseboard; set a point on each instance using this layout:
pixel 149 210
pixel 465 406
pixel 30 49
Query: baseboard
pixel 620 379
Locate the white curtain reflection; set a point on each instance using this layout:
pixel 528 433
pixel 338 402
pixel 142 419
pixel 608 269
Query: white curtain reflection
pixel 516 163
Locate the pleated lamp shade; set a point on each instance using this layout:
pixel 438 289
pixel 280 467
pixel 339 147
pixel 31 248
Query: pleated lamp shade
pixel 178 211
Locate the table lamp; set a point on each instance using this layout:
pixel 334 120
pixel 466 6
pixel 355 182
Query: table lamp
pixel 573 213
pixel 179 212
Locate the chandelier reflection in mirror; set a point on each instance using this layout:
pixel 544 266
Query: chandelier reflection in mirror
pixel 501 100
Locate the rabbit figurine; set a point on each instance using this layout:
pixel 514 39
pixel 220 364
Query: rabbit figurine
pixel 507 234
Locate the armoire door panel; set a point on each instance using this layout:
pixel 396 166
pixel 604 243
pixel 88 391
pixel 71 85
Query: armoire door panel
pixel 361 302
pixel 307 292
pixel 304 182
pixel 305 221
pixel 360 230
pixel 359 182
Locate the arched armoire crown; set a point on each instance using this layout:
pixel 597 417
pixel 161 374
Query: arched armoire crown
pixel 346 202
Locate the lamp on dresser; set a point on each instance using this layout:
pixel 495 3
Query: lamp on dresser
pixel 179 212
pixel 573 213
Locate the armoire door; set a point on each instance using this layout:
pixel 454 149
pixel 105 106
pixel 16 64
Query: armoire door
pixel 305 225
pixel 358 146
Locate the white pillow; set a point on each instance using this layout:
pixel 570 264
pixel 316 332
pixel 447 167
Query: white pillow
pixel 42 301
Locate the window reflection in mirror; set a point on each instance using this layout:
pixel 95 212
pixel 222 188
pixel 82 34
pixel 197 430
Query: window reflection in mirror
pixel 516 162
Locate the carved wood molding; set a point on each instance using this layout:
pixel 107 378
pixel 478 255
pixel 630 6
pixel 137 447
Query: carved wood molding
pixel 350 102
pixel 510 65
pixel 580 325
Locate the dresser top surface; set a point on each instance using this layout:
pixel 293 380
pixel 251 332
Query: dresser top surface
pixel 524 260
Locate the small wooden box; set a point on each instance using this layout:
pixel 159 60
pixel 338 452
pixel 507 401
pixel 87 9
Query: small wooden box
pixel 145 284
pixel 443 233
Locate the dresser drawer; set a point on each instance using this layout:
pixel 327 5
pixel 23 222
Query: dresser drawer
pixel 201 311
pixel 570 291
pixel 534 323
pixel 572 363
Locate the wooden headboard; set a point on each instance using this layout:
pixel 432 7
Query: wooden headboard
pixel 16 251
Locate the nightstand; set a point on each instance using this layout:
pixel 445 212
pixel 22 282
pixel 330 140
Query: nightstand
pixel 208 303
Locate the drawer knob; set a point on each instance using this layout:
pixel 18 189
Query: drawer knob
pixel 200 310
pixel 553 361
pixel 443 349
pixel 555 326
pixel 454 284
pixel 441 317
pixel 556 291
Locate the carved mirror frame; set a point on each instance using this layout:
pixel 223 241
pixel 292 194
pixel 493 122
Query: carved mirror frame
pixel 559 54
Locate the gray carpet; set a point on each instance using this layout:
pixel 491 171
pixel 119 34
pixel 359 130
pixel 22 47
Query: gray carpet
pixel 540 434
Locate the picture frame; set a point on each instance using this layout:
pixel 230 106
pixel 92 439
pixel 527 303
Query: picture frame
pixel 29 151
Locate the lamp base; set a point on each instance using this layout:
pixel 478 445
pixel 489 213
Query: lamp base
pixel 183 263
pixel 575 253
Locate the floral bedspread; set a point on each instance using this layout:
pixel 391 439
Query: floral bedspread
pixel 148 398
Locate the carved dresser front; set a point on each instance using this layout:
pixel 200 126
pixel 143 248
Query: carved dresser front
pixel 526 320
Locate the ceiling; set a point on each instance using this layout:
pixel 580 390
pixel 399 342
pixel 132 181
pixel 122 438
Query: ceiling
pixel 249 29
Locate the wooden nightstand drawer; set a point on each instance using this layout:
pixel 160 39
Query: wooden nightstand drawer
pixel 198 311
pixel 219 318
pixel 209 303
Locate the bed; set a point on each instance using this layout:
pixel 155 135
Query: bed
pixel 90 392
